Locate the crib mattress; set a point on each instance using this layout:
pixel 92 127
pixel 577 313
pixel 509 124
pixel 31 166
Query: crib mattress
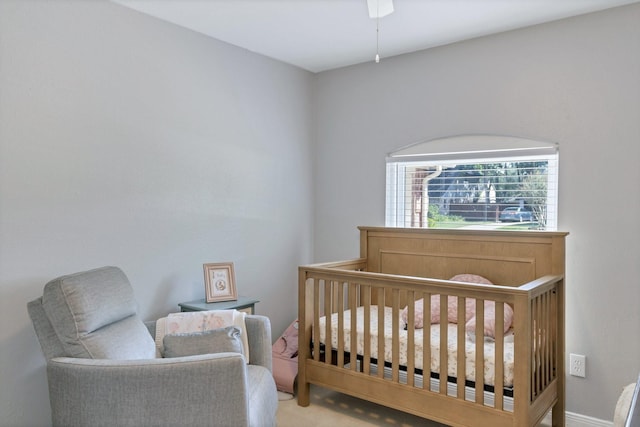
pixel 452 344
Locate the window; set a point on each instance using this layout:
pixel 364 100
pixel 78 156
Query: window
pixel 477 181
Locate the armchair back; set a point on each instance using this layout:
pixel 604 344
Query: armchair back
pixel 91 315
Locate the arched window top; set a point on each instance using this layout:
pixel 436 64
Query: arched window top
pixel 472 147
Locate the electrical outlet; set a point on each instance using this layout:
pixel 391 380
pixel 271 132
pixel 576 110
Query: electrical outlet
pixel 578 365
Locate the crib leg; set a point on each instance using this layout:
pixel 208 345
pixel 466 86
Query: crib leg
pixel 303 393
pixel 558 415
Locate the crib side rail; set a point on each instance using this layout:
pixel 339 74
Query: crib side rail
pixel 539 348
pixel 356 264
pixel 329 289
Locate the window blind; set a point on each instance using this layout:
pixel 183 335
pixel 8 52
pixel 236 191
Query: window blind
pixel 473 181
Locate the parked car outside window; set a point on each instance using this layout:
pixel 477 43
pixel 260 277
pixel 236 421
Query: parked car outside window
pixel 515 214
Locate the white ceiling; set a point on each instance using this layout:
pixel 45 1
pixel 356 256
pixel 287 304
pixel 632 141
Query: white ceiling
pixel 319 35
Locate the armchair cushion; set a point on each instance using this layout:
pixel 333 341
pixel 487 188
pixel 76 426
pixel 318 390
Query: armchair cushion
pixel 94 316
pixel 221 340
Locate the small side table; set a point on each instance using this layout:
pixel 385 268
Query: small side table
pixel 246 304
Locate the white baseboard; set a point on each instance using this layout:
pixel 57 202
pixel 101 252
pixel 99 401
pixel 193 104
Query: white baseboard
pixel 577 420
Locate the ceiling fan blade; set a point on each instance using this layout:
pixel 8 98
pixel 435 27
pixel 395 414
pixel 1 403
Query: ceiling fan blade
pixel 379 8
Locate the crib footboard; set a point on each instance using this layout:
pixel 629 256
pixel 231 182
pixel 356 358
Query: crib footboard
pixel 354 339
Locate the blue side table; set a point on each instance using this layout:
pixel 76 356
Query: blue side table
pixel 246 304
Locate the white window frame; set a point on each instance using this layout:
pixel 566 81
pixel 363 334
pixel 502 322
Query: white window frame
pixel 466 149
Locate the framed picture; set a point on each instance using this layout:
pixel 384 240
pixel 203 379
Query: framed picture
pixel 219 282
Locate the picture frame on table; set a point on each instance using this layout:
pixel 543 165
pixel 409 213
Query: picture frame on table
pixel 219 282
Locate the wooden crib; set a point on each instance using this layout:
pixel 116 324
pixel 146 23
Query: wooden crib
pixel 340 346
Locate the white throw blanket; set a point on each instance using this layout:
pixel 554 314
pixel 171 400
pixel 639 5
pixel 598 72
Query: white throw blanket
pixel 200 321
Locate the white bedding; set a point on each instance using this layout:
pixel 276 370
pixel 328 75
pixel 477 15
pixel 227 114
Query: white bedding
pixel 489 346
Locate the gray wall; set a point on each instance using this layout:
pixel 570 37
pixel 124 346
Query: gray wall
pixel 128 141
pixel 575 82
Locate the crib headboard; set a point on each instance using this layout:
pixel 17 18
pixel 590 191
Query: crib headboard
pixel 508 258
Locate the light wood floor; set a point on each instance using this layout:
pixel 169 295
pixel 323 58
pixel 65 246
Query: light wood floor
pixel 332 409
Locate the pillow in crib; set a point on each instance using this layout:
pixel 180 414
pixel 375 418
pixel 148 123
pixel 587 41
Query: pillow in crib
pixel 418 313
pixel 471 278
pixel 490 319
pixel 470 304
pixel 452 304
pixel 489 309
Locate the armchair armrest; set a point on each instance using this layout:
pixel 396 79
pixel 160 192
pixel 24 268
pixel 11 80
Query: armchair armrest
pixel 259 336
pixel 195 390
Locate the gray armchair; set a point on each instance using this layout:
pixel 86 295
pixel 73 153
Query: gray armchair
pixel 102 369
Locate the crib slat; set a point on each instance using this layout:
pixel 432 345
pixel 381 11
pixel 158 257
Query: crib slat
pixel 461 353
pixel 395 335
pixel 553 329
pixel 411 352
pixel 444 338
pixel 543 336
pixel 498 381
pixel 334 297
pixel 338 301
pixel 534 336
pixel 426 341
pixel 327 312
pixel 366 302
pixel 541 368
pixel 316 320
pixel 547 317
pixel 479 378
pixel 547 326
pixel 353 306
pixel 381 303
pixel 538 350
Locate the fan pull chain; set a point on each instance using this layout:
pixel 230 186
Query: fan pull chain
pixel 377 39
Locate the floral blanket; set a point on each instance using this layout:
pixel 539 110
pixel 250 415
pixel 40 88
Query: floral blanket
pixel 200 321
